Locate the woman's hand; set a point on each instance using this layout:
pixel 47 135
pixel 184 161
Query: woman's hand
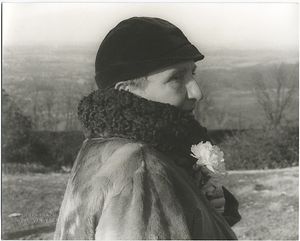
pixel 215 195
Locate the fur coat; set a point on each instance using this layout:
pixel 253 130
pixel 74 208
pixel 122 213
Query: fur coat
pixel 132 178
pixel 119 189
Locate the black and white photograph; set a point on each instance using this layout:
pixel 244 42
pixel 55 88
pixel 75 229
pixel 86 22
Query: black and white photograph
pixel 150 120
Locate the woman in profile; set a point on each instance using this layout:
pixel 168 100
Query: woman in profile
pixel 133 177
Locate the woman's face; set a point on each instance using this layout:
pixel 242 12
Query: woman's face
pixel 174 85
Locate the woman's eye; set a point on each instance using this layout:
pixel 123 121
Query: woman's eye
pixel 175 83
pixel 175 80
pixel 178 78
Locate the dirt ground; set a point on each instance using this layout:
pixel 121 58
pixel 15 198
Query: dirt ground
pixel 268 204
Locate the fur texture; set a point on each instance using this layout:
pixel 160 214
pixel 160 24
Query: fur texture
pixel 114 113
pixel 120 189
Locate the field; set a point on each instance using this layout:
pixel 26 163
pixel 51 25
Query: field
pixel 268 204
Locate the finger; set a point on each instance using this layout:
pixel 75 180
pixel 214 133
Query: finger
pixel 215 193
pixel 220 210
pixel 204 170
pixel 212 197
pixel 196 168
pixel 209 186
pixel 209 189
pixel 218 203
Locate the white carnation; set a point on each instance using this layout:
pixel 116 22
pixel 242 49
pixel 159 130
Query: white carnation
pixel 210 156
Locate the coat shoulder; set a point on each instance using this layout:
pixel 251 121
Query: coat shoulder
pixel 122 158
pixel 115 161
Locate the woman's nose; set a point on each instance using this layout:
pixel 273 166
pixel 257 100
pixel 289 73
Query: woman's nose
pixel 193 90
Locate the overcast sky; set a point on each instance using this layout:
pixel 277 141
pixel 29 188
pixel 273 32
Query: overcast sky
pixel 230 25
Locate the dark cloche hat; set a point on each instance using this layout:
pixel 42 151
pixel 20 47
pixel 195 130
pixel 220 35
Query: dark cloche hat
pixel 138 46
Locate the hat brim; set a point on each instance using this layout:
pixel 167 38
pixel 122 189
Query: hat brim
pixel 186 52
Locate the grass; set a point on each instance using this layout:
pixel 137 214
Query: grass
pixel 268 203
pixel 24 168
pixel 36 196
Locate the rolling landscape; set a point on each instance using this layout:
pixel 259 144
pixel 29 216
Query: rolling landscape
pixel 57 77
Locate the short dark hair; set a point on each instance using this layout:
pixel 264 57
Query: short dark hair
pixel 139 83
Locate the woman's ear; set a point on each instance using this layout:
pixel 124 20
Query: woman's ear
pixel 123 85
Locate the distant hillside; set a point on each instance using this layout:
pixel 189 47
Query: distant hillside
pixel 47 83
pixel 231 58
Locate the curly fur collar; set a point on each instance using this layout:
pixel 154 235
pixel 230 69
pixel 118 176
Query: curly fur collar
pixel 114 113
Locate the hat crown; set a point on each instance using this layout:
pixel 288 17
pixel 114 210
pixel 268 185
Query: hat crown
pixel 138 39
pixel 137 46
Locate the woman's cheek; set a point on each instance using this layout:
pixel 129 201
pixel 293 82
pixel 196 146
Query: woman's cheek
pixel 179 98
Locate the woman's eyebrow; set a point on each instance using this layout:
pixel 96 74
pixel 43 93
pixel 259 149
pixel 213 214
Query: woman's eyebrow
pixel 179 71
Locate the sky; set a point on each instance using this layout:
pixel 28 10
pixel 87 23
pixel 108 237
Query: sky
pixel 218 25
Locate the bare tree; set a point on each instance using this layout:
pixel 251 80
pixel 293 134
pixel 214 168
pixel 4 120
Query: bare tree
pixel 275 101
